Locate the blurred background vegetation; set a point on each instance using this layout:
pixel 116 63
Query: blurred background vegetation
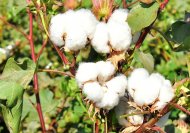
pixel 63 108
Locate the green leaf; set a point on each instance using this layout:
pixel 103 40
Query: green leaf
pixel 20 73
pixel 86 3
pixel 147 60
pixel 142 16
pixel 180 35
pixel 11 104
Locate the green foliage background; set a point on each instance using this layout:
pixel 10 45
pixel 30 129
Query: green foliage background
pixel 62 106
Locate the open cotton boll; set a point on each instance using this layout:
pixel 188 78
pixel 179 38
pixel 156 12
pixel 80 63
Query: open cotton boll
pixel 93 91
pixel 120 35
pixel 135 119
pixel 87 20
pixel 57 29
pixel 109 100
pixel 106 70
pixel 147 94
pixel 75 38
pixel 119 15
pixel 86 72
pixel 118 85
pixel 100 39
pixel 136 79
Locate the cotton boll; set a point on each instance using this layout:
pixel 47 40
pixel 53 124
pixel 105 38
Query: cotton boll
pixel 86 72
pixel 76 38
pixel 119 15
pixel 147 94
pixel 166 93
pixel 136 79
pixel 106 70
pixel 100 39
pixel 109 100
pixel 157 77
pixel 135 119
pixel 57 29
pixel 120 35
pixel 159 105
pixel 118 85
pixel 93 91
pixel 87 20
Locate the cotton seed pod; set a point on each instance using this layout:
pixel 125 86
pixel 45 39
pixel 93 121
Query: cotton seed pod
pixel 118 85
pixel 106 70
pixel 93 91
pixel 86 72
pixel 136 79
pixel 87 21
pixel 119 15
pixel 120 35
pixel 109 101
pixel 100 39
pixel 57 29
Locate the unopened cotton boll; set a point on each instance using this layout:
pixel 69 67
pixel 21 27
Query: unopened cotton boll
pixel 109 100
pixel 86 72
pixel 119 15
pixel 75 38
pixel 106 70
pixel 100 39
pixel 87 21
pixel 120 35
pixel 57 29
pixel 135 80
pixel 93 91
pixel 118 85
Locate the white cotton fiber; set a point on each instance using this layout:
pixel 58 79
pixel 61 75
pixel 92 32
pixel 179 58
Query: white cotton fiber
pixel 86 72
pixel 109 100
pixel 93 91
pixel 119 15
pixel 136 79
pixel 118 85
pixel 57 29
pixel 106 70
pixel 76 38
pixel 100 39
pixel 120 35
pixel 87 21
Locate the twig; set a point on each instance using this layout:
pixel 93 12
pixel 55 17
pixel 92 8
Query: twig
pixel 56 71
pixel 36 87
pixel 156 128
pixel 175 105
pixel 179 83
pixel 42 48
pixel 97 126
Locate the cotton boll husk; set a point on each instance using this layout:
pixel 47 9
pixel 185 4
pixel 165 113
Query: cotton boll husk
pixel 135 119
pixel 75 38
pixel 86 72
pixel 93 91
pixel 121 110
pixel 148 92
pixel 87 20
pixel 106 70
pixel 119 15
pixel 109 100
pixel 136 79
pixel 120 35
pixel 57 29
pixel 118 85
pixel 100 39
